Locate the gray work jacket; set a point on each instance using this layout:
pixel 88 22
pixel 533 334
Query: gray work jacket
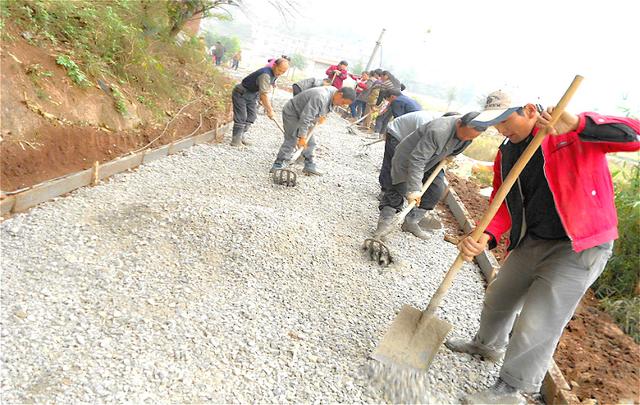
pixel 425 148
pixel 309 105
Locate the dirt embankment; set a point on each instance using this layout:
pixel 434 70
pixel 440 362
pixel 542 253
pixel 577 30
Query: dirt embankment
pixel 51 127
pixel 598 360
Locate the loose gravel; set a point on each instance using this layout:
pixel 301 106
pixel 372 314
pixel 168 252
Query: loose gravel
pixel 195 279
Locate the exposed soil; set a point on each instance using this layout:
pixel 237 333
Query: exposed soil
pixel 51 127
pixel 57 150
pixel 597 359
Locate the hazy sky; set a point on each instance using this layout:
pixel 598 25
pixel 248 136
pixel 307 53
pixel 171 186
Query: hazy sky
pixel 532 49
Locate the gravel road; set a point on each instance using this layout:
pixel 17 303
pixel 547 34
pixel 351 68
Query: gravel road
pixel 195 279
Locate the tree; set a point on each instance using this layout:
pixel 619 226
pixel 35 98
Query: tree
pixel 181 11
pixel 358 68
pixel 298 61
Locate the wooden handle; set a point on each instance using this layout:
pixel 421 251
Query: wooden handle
pixel 425 186
pixel 299 151
pixel 501 194
pixel 278 125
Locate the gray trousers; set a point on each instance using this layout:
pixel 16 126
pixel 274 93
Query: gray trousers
pixel 291 133
pixel 245 106
pixel 544 280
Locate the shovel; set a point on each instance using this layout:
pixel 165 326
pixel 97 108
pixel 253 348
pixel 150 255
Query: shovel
pixel 415 336
pixel 375 246
pixel 353 124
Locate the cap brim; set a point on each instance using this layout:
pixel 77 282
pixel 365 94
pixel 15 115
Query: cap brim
pixel 488 118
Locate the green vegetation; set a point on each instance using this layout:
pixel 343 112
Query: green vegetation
pixel 231 44
pixel 485 146
pixel 128 42
pixel 619 284
pixel 73 71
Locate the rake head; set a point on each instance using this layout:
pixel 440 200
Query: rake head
pixel 378 251
pixel 285 177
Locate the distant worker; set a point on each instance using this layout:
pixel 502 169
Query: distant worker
pixel 362 84
pixel 235 60
pixel 300 114
pixel 306 84
pixel 218 52
pixel 399 105
pixel 245 98
pixel 337 74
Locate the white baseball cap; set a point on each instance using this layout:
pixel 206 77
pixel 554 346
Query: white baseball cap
pixel 496 109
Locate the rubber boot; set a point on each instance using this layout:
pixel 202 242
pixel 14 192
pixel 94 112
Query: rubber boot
pixel 473 348
pixel 430 222
pixel 310 169
pixel 236 135
pixel 411 223
pixel 277 166
pixel 385 221
pixel 246 141
pixel 499 393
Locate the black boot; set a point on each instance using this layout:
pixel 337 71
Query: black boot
pixel 236 135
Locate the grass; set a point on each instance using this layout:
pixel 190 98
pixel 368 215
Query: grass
pixel 126 42
pixel 619 285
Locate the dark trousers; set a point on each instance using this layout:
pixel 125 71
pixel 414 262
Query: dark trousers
pixel 296 89
pixel 235 64
pixel 382 121
pixel 385 171
pixel 357 108
pixel 394 197
pixel 245 105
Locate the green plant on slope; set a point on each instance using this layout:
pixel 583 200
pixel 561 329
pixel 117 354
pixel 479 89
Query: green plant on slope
pixel 73 71
pixel 619 283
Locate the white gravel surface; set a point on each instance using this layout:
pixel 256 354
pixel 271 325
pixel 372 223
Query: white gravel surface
pixel 195 279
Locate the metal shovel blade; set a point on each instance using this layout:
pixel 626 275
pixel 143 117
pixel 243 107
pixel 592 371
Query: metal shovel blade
pixel 285 177
pixel 378 251
pixel 412 341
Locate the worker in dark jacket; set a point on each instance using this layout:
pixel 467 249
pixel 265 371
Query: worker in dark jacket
pixel 245 98
pixel 399 105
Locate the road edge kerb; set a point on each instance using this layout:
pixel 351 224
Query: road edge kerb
pixel 50 189
pixel 555 390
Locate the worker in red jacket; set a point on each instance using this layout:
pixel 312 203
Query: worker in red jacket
pixel 562 220
pixel 337 74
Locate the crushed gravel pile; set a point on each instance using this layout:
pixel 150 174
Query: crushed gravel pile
pixel 195 279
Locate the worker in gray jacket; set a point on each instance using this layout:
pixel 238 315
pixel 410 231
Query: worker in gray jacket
pixel 397 130
pixel 300 114
pixel 413 161
pixel 306 84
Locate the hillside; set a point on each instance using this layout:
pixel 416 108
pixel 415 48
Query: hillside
pixel 83 83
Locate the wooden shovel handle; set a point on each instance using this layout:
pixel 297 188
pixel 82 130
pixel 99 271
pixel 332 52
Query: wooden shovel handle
pixel 502 193
pixel 278 125
pixel 425 186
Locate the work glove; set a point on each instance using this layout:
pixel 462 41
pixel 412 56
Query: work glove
pixel 322 119
pixel 566 123
pixel 414 196
pixel 302 142
pixel 270 114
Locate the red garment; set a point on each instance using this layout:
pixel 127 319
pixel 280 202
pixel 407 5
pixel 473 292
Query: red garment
pixel 579 179
pixel 336 78
pixel 361 86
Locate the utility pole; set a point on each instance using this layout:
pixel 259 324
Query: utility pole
pixel 375 49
